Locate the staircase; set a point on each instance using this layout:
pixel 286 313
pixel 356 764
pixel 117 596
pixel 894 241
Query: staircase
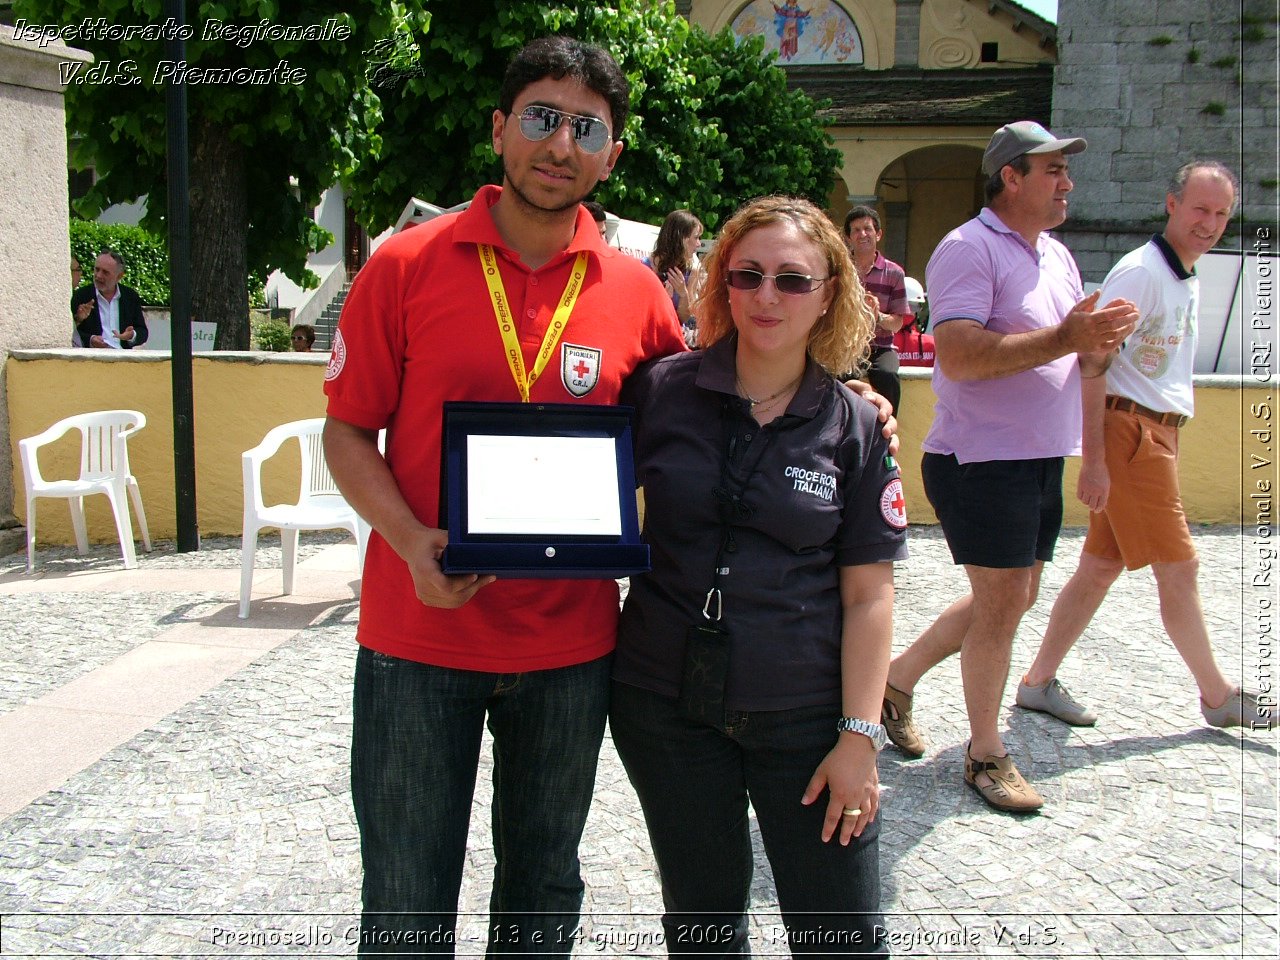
pixel 327 322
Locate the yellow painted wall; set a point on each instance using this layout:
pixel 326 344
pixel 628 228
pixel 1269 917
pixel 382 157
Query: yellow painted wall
pixel 1215 447
pixel 941 184
pixel 937 206
pixel 952 33
pixel 239 396
pixel 867 152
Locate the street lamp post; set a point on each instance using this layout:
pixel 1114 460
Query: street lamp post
pixel 184 438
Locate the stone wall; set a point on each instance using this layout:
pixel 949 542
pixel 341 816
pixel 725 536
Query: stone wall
pixel 1152 85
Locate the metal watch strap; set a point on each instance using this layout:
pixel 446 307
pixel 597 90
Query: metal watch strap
pixel 874 732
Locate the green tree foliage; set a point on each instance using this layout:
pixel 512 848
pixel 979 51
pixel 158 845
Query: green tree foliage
pixel 145 254
pixel 774 140
pixel 395 110
pixel 146 258
pixel 262 147
pixel 712 122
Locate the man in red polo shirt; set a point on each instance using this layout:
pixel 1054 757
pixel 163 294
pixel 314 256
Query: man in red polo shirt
pixel 442 655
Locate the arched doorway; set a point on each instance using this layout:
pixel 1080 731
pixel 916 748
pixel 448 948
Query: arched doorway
pixel 924 194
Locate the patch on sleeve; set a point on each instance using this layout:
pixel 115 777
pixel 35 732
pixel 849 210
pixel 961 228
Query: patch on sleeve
pixel 893 505
pixel 337 358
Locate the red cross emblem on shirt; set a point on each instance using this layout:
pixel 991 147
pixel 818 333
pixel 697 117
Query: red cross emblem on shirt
pixel 579 368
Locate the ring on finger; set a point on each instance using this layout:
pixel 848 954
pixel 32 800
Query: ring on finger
pixel 852 812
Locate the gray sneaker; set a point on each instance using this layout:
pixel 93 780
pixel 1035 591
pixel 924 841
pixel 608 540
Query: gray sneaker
pixel 1053 699
pixel 1240 710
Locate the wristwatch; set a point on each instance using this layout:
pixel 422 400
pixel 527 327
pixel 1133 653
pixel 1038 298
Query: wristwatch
pixel 872 731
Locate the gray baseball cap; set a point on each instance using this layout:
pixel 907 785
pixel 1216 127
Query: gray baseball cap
pixel 1026 136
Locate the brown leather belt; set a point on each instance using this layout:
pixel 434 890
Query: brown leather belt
pixel 1125 405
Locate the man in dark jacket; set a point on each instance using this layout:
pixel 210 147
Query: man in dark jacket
pixel 108 314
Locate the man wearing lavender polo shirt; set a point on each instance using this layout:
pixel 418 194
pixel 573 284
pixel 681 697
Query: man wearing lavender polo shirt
pixel 1014 334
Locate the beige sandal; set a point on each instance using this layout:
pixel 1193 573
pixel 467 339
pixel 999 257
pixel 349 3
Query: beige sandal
pixel 1005 789
pixel 895 715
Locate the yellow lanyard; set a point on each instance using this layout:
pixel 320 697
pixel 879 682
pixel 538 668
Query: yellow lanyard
pixel 506 323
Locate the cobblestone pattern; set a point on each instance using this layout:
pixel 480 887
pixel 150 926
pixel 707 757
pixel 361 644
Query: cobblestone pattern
pixel 214 553
pixel 1158 836
pixel 70 635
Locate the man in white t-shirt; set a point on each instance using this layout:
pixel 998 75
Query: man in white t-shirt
pixel 1129 475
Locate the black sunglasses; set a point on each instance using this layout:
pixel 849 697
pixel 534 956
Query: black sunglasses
pixel 792 284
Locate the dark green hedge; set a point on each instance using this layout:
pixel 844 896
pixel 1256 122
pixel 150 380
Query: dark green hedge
pixel 146 256
pixel 270 333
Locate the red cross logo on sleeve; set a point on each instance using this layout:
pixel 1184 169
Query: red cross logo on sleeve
pixel 893 505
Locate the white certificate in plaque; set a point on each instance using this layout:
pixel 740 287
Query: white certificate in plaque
pixel 539 490
pixel 558 486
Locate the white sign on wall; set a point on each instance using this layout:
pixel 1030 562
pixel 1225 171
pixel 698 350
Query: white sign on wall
pixel 1231 285
pixel 159 333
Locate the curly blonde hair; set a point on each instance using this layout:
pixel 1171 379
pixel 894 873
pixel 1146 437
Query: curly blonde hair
pixel 841 339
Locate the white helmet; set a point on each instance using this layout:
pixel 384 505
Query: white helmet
pixel 915 292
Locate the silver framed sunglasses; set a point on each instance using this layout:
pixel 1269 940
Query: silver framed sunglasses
pixel 792 284
pixel 589 133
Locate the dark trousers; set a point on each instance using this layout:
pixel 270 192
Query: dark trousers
pixel 694 782
pixel 882 374
pixel 414 752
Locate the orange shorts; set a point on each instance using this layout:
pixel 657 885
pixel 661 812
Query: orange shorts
pixel 1143 522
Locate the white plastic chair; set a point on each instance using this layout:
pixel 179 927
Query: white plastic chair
pixel 320 505
pixel 104 468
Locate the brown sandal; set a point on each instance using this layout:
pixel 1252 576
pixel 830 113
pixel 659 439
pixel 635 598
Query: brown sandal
pixel 1006 790
pixel 895 715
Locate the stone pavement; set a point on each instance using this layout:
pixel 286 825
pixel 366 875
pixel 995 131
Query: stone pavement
pixel 173 781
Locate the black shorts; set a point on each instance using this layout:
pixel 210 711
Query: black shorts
pixel 996 513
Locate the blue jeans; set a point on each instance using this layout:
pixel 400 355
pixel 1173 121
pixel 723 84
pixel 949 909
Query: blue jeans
pixel 415 746
pixel 694 781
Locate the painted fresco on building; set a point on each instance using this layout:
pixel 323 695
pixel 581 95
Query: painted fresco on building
pixel 802 31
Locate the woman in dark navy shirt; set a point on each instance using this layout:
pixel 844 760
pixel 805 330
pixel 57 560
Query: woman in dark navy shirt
pixel 751 660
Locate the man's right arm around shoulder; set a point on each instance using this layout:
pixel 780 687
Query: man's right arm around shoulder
pixel 366 481
pixel 966 350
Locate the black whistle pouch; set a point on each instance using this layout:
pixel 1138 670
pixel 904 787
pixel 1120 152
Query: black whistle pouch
pixel 706 674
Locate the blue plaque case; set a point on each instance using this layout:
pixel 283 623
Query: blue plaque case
pixel 537 556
